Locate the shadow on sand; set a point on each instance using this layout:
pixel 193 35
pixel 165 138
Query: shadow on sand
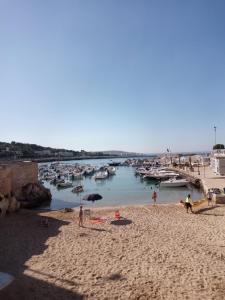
pixel 21 237
pixel 121 222
pixel 203 211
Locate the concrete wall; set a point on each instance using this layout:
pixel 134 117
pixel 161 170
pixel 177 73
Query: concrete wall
pixel 14 175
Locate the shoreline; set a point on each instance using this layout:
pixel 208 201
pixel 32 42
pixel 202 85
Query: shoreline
pixel 58 159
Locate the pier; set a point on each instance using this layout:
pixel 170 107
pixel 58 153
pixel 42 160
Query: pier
pixel 206 178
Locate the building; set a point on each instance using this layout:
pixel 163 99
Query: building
pixel 65 154
pixel 43 152
pixel 217 162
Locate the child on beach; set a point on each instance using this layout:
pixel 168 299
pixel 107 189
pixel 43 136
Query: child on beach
pixel 81 214
pixel 154 197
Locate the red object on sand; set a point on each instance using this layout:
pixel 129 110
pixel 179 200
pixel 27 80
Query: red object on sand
pixel 117 215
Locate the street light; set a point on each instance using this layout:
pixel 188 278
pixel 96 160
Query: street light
pixel 198 169
pixel 215 133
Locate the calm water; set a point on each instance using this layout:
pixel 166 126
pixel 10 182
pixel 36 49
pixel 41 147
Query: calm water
pixel 120 189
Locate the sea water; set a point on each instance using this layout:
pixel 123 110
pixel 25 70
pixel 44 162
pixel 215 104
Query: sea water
pixel 124 188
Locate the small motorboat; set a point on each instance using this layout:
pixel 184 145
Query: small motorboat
pixel 173 182
pixel 101 175
pixel 64 185
pixel 111 170
pixel 78 189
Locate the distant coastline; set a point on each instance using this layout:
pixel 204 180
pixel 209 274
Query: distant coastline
pixel 52 159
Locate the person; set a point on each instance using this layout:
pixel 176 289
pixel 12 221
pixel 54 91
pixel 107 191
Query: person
pixel 188 203
pixel 117 215
pixel 81 214
pixel 209 196
pixel 154 197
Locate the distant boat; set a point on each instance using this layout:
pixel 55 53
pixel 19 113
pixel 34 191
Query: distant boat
pixel 89 171
pixel 111 170
pixel 64 185
pixel 101 175
pixel 78 189
pixel 77 175
pixel 114 164
pixel 173 182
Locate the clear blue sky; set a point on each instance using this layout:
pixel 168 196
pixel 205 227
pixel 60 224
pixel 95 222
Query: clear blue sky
pixel 135 75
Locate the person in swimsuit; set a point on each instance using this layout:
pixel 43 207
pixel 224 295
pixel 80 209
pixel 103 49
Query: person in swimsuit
pixel 81 216
pixel 154 197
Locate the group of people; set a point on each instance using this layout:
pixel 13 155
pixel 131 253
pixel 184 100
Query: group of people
pixel 188 204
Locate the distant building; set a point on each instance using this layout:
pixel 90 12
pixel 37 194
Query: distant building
pixel 65 154
pixel 43 152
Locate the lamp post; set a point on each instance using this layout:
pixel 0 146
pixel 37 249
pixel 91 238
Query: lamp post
pixel 198 169
pixel 215 133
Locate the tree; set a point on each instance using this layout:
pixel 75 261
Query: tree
pixel 218 146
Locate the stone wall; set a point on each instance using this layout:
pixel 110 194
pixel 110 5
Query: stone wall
pixel 5 180
pixel 15 175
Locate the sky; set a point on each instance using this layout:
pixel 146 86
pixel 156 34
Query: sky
pixel 132 75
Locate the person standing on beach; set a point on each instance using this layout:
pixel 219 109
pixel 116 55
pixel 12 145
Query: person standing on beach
pixel 81 215
pixel 209 197
pixel 188 203
pixel 154 197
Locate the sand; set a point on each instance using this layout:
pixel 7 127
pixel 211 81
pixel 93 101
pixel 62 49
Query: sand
pixel 158 252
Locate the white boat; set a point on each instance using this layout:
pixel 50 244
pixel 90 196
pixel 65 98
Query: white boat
pixel 89 171
pixel 173 182
pixel 111 170
pixel 101 175
pixel 78 189
pixel 77 175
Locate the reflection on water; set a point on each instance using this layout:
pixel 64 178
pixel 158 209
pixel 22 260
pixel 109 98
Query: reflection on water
pixel 121 189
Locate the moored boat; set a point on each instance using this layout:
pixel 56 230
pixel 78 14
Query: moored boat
pixel 101 175
pixel 64 185
pixel 78 189
pixel 173 182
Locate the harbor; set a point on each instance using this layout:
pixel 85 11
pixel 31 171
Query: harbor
pixel 126 185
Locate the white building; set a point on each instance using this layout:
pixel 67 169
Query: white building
pixel 217 162
pixel 65 153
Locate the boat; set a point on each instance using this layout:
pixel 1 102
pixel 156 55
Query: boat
pixel 78 189
pixel 114 164
pixel 89 171
pixel 111 170
pixel 101 175
pixel 173 182
pixel 64 185
pixel 77 175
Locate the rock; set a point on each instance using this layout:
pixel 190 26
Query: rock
pixel 4 204
pixel 14 205
pixel 33 195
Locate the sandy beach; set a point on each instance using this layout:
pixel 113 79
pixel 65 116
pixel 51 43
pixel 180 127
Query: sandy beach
pixel 156 252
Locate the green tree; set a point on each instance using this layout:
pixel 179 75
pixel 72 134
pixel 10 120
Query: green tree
pixel 218 146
